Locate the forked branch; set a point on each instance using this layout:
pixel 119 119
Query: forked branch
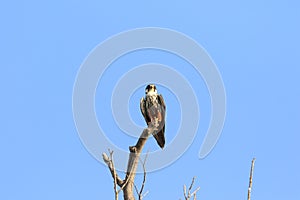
pixel 140 193
pixel 117 180
pixel 127 184
pixel 188 194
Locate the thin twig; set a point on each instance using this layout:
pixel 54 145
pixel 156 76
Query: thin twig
pixel 184 192
pixel 188 194
pixel 250 179
pixel 193 180
pixel 112 170
pixel 194 193
pixel 140 193
pixel 136 188
pixel 144 177
pixel 114 174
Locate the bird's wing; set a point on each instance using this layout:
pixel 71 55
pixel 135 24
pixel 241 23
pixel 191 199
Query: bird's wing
pixel 163 105
pixel 160 135
pixel 143 108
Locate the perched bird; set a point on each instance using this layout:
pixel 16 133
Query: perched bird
pixel 153 109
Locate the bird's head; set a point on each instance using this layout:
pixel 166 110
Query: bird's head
pixel 150 89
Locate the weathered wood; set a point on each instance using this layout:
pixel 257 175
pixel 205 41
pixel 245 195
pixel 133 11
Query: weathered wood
pixel 188 194
pixel 250 179
pixel 127 185
pixel 135 152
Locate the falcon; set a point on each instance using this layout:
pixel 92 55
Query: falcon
pixel 153 109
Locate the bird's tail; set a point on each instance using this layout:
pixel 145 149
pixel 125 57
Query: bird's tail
pixel 160 137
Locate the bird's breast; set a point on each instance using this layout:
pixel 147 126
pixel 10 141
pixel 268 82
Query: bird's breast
pixel 151 100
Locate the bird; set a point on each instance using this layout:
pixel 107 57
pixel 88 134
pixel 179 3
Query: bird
pixel 153 109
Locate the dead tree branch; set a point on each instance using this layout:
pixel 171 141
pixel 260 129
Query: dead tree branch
pixel 114 174
pixel 110 163
pixel 135 152
pixel 112 170
pixel 144 178
pixel 127 185
pixel 140 193
pixel 188 194
pixel 250 179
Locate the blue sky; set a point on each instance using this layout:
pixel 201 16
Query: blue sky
pixel 254 44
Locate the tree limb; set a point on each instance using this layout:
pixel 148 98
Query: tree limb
pixel 144 178
pixel 140 193
pixel 188 194
pixel 250 178
pixel 112 170
pixel 127 184
pixel 135 152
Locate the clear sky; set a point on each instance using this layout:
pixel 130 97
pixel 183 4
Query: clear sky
pixel 254 44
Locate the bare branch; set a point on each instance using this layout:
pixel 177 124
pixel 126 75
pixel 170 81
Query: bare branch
pixel 194 193
pixel 134 157
pixel 188 194
pixel 250 179
pixel 136 189
pixel 140 193
pixel 144 177
pixel 112 170
pixel 114 175
pixel 193 180
pixel 127 184
pixel 110 163
pixel 184 192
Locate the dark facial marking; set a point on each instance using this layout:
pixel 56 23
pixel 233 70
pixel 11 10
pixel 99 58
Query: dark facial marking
pixel 148 87
pixel 154 87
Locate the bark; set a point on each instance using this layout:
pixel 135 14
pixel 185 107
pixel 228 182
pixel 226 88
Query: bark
pixel 135 152
pixel 250 179
pixel 189 194
pixel 127 185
